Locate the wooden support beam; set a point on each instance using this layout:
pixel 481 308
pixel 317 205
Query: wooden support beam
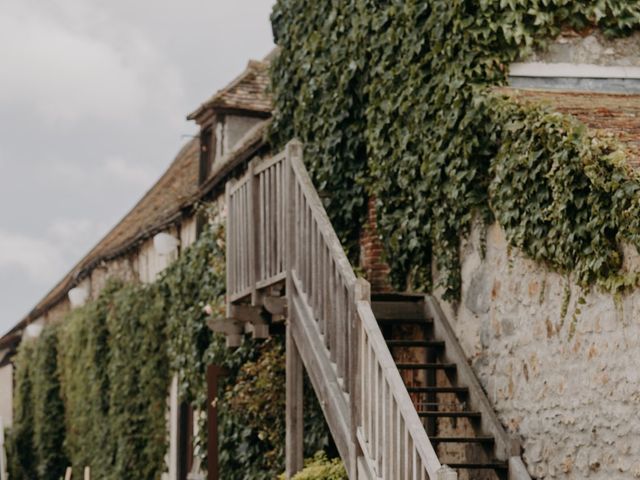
pixel 294 418
pixel 275 305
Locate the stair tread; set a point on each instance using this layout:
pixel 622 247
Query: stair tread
pixel 389 320
pixel 493 465
pixel 415 343
pixel 438 390
pixel 478 439
pixel 391 309
pixel 454 414
pixel 425 366
pixel 397 297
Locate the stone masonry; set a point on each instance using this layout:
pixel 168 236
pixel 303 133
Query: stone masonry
pixel 566 383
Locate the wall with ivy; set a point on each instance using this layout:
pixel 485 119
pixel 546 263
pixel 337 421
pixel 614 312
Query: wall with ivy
pixel 102 377
pixel 394 99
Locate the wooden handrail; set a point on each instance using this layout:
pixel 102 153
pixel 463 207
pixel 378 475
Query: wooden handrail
pixel 278 228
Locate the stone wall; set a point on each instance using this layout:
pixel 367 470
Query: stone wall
pixel 594 48
pixel 566 382
pixel 6 394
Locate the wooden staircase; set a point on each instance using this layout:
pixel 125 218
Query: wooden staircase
pixel 442 401
pixel 393 383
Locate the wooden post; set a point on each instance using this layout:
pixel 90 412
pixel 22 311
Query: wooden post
pixel 362 292
pixel 229 245
pixel 294 417
pixel 253 186
pixel 87 473
pixel 214 372
pixel 67 474
pixel 294 390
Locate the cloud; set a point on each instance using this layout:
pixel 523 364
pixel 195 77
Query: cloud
pixel 126 172
pixel 46 258
pixel 41 260
pixel 68 75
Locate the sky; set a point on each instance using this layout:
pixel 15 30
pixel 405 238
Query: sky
pixel 93 100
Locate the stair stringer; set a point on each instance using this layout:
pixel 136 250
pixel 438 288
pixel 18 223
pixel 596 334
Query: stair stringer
pixel 324 380
pixel 507 448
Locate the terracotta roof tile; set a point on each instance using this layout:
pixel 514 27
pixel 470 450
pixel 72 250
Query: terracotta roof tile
pixel 616 114
pixel 248 92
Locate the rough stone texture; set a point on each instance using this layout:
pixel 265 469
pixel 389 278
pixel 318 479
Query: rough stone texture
pixel 594 49
pixel 567 385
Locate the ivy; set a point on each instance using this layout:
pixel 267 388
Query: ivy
pixel 395 100
pixel 48 408
pixel 20 442
pixel 92 390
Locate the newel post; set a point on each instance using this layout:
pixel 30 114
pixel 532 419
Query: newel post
pixel 361 293
pixel 294 367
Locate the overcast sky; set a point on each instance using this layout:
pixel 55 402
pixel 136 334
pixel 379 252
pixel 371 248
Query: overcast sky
pixel 93 99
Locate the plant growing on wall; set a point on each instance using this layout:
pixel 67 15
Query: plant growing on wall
pixel 93 388
pixel 394 99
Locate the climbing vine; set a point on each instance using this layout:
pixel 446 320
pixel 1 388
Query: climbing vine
pixel 92 389
pixel 395 99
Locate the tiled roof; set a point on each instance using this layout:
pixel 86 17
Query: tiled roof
pixel 616 114
pixel 248 92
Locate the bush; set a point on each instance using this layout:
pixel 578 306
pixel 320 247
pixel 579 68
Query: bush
pixel 321 468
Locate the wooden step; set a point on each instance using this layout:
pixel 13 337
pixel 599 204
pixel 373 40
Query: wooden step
pixel 458 390
pixel 398 310
pixel 386 322
pixel 455 414
pixel 416 343
pixel 397 297
pixel 426 366
pixel 479 439
pixel 493 465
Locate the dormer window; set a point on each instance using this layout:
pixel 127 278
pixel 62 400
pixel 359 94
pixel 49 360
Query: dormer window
pixel 206 154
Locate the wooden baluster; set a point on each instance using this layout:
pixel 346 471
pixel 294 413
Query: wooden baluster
pixel 308 243
pixel 280 217
pixel 274 222
pixel 243 229
pixel 371 396
pixel 283 206
pixel 229 253
pixel 253 228
pixel 320 272
pixel 262 227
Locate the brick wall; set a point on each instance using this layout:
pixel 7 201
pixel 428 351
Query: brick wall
pixel 376 270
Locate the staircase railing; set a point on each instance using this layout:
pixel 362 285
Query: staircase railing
pixel 277 228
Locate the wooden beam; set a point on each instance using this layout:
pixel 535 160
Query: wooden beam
pixel 294 406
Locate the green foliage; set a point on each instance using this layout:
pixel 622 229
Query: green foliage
pixel 137 389
pixel 48 408
pixel 35 445
pixel 83 366
pixel 196 279
pixel 321 468
pixel 393 99
pixel 252 411
pixel 20 443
